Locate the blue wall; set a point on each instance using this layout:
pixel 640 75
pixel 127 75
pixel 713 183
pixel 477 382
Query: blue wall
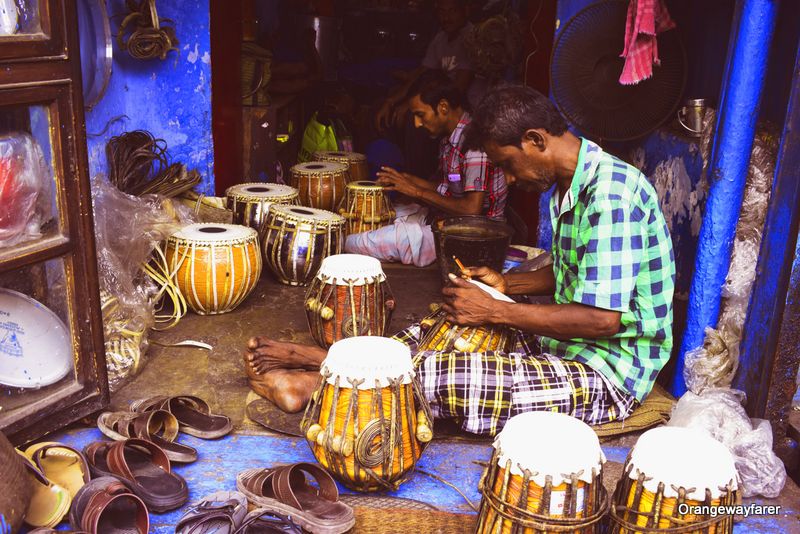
pixel 170 98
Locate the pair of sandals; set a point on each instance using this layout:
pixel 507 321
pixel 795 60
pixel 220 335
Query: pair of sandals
pixel 225 512
pixel 159 419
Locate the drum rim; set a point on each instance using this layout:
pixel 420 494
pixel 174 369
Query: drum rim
pixel 287 215
pixel 252 235
pixel 366 185
pixel 338 168
pixel 376 275
pixel 340 156
pixel 292 194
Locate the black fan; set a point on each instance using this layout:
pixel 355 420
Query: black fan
pixel 585 69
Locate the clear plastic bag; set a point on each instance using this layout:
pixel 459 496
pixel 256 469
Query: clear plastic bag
pixel 715 363
pixel 25 183
pixel 719 412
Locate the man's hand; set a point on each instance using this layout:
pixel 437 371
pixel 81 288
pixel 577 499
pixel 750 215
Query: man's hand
pixel 398 181
pixel 467 305
pixel 488 276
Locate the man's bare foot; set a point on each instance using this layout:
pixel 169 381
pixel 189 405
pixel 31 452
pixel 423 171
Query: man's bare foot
pixel 289 390
pixel 264 355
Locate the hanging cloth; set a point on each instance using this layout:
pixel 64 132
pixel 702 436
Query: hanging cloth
pixel 646 19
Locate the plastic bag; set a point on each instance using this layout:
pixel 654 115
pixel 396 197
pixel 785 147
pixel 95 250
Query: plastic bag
pixel 24 189
pixel 719 412
pixel 714 364
pixel 316 137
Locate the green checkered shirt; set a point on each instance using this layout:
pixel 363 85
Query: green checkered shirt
pixel 612 250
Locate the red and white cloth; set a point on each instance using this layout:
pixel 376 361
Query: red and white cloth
pixel 646 19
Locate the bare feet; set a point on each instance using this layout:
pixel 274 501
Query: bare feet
pixel 289 390
pixel 264 355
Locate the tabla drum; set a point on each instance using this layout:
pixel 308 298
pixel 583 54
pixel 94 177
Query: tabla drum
pixel 320 184
pixel 296 239
pixel 545 475
pixel 368 422
pixel 442 335
pixel 366 207
pixel 357 163
pixel 250 202
pixel 670 473
pixel 349 297
pixel 215 266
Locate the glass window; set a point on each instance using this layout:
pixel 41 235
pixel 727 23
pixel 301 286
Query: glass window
pixel 19 18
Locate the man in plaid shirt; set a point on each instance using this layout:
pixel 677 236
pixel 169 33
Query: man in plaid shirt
pixel 596 351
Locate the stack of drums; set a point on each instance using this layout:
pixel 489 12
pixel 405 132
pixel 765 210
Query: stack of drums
pixel 357 163
pixel 216 266
pixel 366 207
pixel 545 475
pixel 368 422
pixel 296 239
pixel 250 202
pixel 349 297
pixel 442 335
pixel 320 184
pixel 670 473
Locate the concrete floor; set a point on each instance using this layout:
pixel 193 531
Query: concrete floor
pixel 277 310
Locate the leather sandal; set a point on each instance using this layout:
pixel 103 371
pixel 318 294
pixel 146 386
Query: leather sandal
pixel 107 506
pixel 144 467
pixel 193 414
pixel 49 502
pixel 262 521
pixel 157 426
pixel 285 490
pixel 61 464
pixel 219 513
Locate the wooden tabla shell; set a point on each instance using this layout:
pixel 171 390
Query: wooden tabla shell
pixel 366 206
pixel 250 202
pixel 357 163
pixel 348 297
pixel 670 466
pixel 545 475
pixel 320 184
pixel 368 422
pixel 215 266
pixel 295 240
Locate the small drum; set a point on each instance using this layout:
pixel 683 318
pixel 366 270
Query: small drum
pixel 357 163
pixel 366 207
pixel 216 266
pixel 348 297
pixel 321 184
pixel 442 335
pixel 250 202
pixel 296 239
pixel 669 472
pixel 368 422
pixel 545 475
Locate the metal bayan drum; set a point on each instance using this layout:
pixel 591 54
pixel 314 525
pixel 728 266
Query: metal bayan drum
pixel 250 202
pixel 357 163
pixel 320 184
pixel 215 266
pixel 366 207
pixel 368 422
pixel 296 239
pixel 349 297
pixel 553 483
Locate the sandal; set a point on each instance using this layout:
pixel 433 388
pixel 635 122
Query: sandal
pixel 107 506
pixel 219 513
pixel 49 502
pixel 144 467
pixel 262 521
pixel 193 414
pixel 285 490
pixel 61 464
pixel 157 426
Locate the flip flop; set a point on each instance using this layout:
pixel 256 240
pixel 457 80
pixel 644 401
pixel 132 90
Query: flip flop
pixel 157 426
pixel 61 464
pixel 262 521
pixel 49 502
pixel 193 414
pixel 219 513
pixel 144 467
pixel 285 491
pixel 106 505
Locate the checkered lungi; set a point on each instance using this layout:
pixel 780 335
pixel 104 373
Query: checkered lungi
pixel 482 390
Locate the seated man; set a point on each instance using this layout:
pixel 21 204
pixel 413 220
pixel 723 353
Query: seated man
pixel 467 183
pixel 593 354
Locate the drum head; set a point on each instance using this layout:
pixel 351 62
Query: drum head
pixel 365 184
pixel 214 232
pixel 357 267
pixel 339 156
pixel 306 214
pixel 261 190
pixel 35 345
pixel 368 358
pixel 319 167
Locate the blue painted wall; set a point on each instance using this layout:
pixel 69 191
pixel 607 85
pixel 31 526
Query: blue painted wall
pixel 170 98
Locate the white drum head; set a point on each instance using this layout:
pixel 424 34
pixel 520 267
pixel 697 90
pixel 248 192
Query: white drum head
pixel 319 167
pixel 370 358
pixel 683 457
pixel 548 443
pixel 339 155
pixel 261 190
pixel 214 232
pixel 35 345
pixel 492 291
pixel 305 213
pixel 357 267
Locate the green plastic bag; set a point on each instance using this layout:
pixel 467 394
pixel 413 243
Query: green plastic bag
pixel 316 137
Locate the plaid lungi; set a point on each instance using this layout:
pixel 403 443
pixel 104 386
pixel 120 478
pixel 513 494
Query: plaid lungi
pixel 482 390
